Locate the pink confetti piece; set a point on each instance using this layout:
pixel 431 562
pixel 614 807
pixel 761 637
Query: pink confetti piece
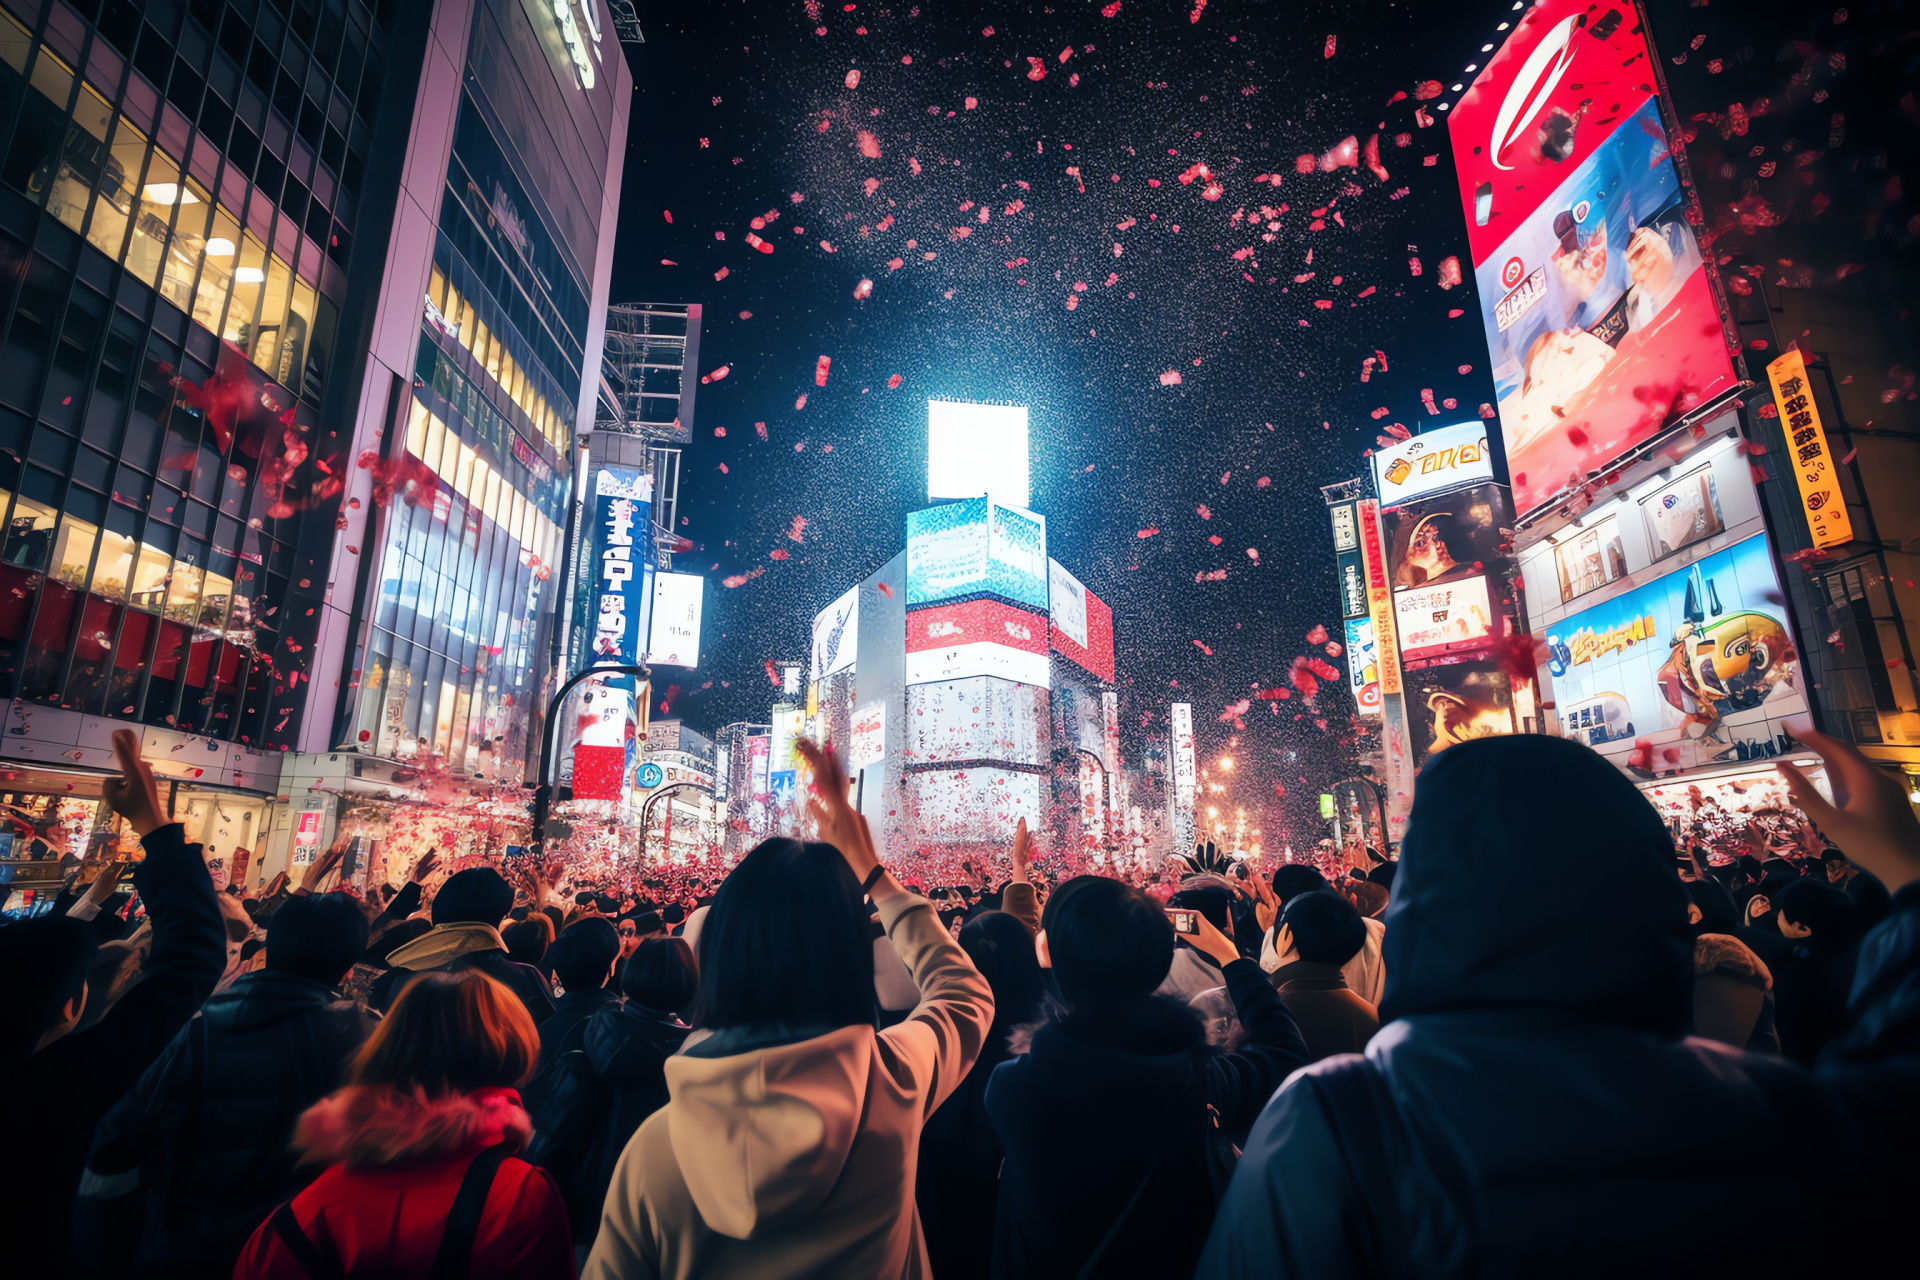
pixel 821 367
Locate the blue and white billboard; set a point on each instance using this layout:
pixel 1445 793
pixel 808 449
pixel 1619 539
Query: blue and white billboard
pixel 1017 557
pixel 946 552
pixel 621 583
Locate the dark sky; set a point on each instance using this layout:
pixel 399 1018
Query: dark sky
pixel 742 110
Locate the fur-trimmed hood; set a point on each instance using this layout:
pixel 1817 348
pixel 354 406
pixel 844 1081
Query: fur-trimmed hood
pixel 1730 958
pixel 365 1126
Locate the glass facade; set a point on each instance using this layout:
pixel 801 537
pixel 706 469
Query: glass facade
pixel 177 187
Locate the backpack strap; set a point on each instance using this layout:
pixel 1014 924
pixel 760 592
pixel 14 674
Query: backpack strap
pixel 454 1258
pixel 1353 1114
pixel 1092 1263
pixel 317 1265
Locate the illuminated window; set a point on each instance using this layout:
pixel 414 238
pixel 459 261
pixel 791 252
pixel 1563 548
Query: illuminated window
pixel 248 277
pixel 271 343
pixel 298 337
pixel 188 243
pixel 436 440
pixel 150 578
pixel 463 475
pixel 215 595
pixel 115 570
pixel 223 256
pixel 73 551
pixel 417 418
pixel 30 534
pixel 119 177
pixel 183 593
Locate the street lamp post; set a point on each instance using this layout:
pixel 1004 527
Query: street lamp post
pixel 646 810
pixel 543 791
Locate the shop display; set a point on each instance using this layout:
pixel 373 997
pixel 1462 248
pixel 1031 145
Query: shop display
pixel 1683 513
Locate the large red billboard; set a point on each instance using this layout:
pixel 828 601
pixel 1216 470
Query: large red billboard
pixel 1569 74
pixel 1097 654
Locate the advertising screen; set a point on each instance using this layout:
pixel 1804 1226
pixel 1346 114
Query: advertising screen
pixel 1363 666
pixel 978 806
pixel 977 448
pixel 673 639
pixel 867 738
pixel 1699 664
pixel 1066 604
pixel 1455 703
pixel 1433 460
pixel 1444 539
pixel 1185 776
pixel 622 563
pixel 1602 326
pixel 1587 559
pixel 1017 556
pixel 1683 513
pixel 836 635
pixel 976 638
pixel 1444 618
pixel 982 718
pixel 946 551
pixel 1813 466
pixel 1568 76
pixel 1352 573
pixel 1096 655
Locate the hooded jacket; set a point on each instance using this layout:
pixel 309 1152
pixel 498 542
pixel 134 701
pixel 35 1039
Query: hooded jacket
pixel 799 1159
pixel 463 945
pixel 395 1162
pixel 1530 1106
pixel 208 1125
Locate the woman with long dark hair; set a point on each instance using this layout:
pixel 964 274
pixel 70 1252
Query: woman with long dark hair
pixel 787 1145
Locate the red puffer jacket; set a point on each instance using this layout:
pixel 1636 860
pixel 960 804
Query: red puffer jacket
pixel 395 1165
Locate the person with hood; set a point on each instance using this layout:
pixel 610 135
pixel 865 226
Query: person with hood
pixel 1115 1121
pixel 1531 1105
pixel 1317 934
pixel 59 1081
pixel 466 935
pixel 787 1146
pixel 421 1173
pixel 205 1130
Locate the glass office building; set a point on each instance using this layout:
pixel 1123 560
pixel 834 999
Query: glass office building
pixel 295 324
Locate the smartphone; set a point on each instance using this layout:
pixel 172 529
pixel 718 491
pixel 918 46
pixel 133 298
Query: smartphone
pixel 1185 921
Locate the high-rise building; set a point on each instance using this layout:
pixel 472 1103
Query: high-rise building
pixel 300 306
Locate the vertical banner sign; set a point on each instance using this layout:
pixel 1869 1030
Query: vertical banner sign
pixel 622 563
pixel 1807 454
pixel 1185 777
pixel 1379 597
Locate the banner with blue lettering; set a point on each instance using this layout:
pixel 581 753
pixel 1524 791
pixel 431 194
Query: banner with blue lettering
pixel 620 576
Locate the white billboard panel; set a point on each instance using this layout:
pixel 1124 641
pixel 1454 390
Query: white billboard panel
pixel 673 639
pixel 977 448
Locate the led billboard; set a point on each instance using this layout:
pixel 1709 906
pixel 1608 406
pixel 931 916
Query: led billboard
pixel 975 449
pixel 1601 322
pixel 1096 654
pixel 673 638
pixel 974 720
pixel 976 548
pixel 836 635
pixel 975 638
pixel 1017 556
pixel 1363 666
pixel 1066 604
pixel 1445 458
pixel 622 563
pixel 1693 667
pixel 1563 81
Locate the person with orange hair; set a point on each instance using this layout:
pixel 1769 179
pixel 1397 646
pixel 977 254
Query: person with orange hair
pixel 423 1177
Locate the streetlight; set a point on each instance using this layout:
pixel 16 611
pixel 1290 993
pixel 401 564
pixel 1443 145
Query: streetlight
pixel 646 810
pixel 1062 754
pixel 543 790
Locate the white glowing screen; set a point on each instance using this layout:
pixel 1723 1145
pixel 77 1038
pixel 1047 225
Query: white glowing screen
pixel 977 448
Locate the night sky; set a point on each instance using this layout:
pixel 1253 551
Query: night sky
pixel 1081 296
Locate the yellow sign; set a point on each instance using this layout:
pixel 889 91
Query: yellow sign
pixel 1386 640
pixel 1813 466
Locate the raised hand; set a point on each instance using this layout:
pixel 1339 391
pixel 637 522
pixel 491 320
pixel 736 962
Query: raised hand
pixel 1870 817
pixel 134 795
pixel 317 869
pixel 1266 905
pixel 424 868
pixel 1213 942
pixel 1022 863
pixel 838 822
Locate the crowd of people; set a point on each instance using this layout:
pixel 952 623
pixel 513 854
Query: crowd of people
pixel 1532 1045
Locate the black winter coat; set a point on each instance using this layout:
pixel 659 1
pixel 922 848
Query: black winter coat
pixel 569 1011
pixel 206 1128
pixel 56 1097
pixel 1531 1107
pixel 959 1172
pixel 1099 1107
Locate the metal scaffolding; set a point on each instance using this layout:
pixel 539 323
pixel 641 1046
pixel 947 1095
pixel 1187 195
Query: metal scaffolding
pixel 645 387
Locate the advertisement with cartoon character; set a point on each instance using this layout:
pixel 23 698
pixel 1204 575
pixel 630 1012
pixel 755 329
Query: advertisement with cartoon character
pixel 1692 668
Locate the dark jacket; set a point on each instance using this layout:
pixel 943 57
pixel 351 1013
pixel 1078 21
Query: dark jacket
pixel 523 980
pixel 206 1128
pixel 55 1098
pixel 1101 1106
pixel 569 1011
pixel 1331 1018
pixel 958 1177
pixel 1530 1106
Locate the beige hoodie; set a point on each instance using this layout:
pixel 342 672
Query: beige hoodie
pixel 799 1160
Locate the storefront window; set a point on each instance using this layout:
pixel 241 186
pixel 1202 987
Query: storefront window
pixel 115 570
pixel 183 593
